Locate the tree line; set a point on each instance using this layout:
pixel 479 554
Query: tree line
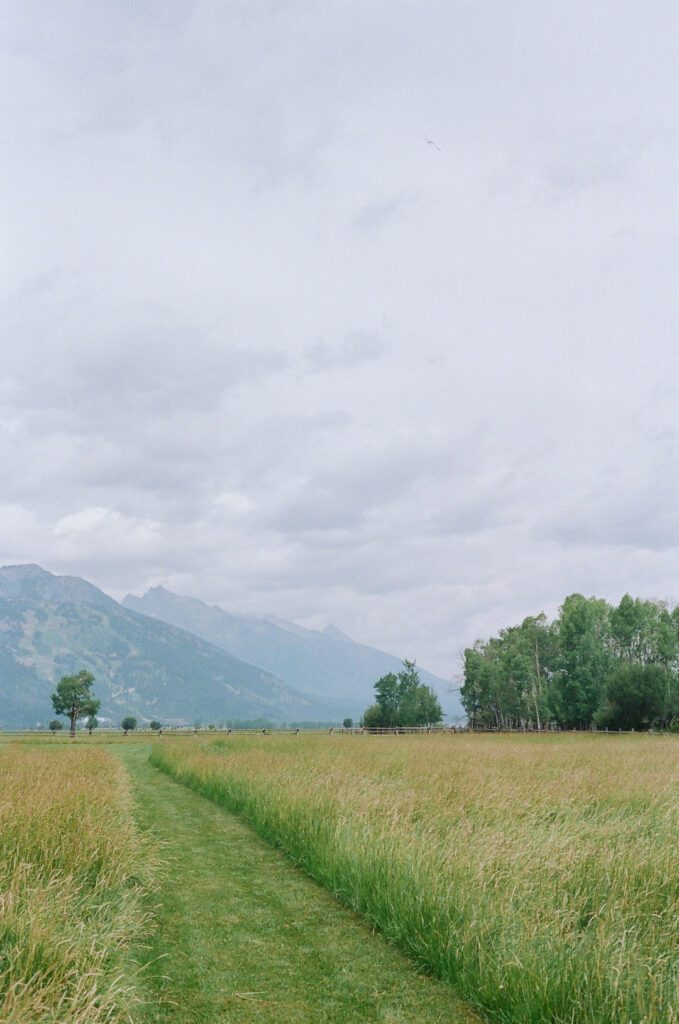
pixel 595 665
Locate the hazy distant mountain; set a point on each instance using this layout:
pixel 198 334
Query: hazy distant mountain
pixel 327 665
pixel 53 625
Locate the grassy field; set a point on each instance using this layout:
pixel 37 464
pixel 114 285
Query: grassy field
pixel 539 876
pixel 71 903
pixel 127 897
pixel 242 937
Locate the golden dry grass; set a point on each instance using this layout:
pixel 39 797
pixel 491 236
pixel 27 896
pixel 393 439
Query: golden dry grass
pixel 71 864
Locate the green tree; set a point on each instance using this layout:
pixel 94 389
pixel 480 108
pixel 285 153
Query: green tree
pixel 635 698
pixel 418 704
pixel 506 678
pixel 348 723
pixel 635 627
pixel 73 697
pixel 539 649
pixel 430 710
pixel 403 700
pixel 128 724
pixel 584 660
pixel 666 640
pixel 482 683
pixel 387 699
pixel 410 704
pixel 155 725
pixel 540 671
pixel 372 717
pixel 92 723
pixel 56 725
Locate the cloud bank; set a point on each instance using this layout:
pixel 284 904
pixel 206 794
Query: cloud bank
pixel 263 344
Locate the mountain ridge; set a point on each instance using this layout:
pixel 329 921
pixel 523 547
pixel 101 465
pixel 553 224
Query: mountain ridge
pixel 327 664
pixel 53 625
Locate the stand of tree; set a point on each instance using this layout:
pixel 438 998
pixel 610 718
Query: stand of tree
pixel 594 665
pixel 403 700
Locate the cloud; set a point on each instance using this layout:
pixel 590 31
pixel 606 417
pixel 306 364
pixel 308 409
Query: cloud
pixel 359 482
pixel 637 514
pixel 257 345
pixel 68 350
pixel 606 160
pixel 356 348
pixel 90 529
pixel 376 215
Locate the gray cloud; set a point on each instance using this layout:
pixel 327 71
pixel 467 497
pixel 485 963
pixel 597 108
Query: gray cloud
pixel 377 214
pixel 361 482
pixel 67 351
pixel 261 343
pixel 358 347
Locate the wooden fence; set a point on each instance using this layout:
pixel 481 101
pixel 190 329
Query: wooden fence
pixel 445 730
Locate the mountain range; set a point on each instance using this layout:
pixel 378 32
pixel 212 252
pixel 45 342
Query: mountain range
pixel 172 658
pixel 326 665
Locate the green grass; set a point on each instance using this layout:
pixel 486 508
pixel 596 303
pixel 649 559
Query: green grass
pixel 539 876
pixel 242 936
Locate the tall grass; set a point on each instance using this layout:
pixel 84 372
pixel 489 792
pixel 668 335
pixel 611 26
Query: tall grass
pixel 71 863
pixel 538 875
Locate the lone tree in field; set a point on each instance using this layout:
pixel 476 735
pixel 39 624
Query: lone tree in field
pixel 128 724
pixel 73 697
pixel 155 725
pixel 92 723
pixel 56 725
pixel 403 700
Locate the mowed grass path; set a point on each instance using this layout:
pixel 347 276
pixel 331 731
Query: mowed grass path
pixel 243 936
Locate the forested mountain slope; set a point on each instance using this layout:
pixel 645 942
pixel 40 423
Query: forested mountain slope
pixel 53 625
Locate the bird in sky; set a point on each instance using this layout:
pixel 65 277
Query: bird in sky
pixel 430 142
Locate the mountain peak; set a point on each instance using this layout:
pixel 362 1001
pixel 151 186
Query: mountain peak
pixel 25 571
pixel 31 581
pixel 324 663
pixel 54 625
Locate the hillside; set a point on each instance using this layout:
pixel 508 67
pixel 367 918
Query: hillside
pixel 327 665
pixel 53 625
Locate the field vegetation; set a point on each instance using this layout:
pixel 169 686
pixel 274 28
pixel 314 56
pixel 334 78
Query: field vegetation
pixel 72 868
pixel 538 875
pixel 242 937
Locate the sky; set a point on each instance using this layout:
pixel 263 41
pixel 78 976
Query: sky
pixel 356 312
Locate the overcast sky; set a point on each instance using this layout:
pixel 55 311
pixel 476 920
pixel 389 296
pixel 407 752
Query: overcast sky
pixel 265 344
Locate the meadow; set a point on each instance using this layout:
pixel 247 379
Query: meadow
pixel 73 875
pixel 537 875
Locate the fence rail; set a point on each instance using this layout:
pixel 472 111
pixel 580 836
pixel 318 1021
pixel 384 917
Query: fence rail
pixel 445 730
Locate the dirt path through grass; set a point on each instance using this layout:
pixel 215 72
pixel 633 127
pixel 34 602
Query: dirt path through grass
pixel 244 937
